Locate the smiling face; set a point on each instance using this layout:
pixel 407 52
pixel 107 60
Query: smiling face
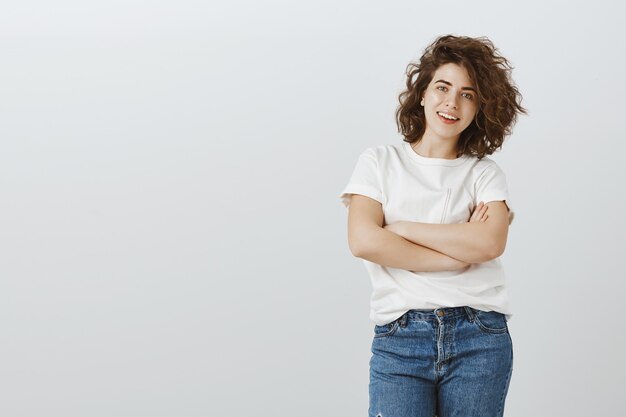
pixel 451 91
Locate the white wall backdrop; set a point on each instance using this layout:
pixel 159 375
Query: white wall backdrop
pixel 172 242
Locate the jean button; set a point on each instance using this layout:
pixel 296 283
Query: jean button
pixel 440 313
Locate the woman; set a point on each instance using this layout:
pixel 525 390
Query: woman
pixel 430 218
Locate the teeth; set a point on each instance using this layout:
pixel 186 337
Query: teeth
pixel 447 116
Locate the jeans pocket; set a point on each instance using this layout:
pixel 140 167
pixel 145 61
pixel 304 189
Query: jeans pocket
pixel 491 322
pixel 386 329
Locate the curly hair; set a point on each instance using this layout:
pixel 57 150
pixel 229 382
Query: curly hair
pixel 498 97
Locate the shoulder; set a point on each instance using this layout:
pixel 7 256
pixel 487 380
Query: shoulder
pixel 486 165
pixel 382 149
pixel 383 152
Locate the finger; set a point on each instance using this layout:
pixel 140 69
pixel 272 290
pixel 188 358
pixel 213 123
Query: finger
pixel 475 215
pixel 478 212
pixel 483 214
pixel 479 209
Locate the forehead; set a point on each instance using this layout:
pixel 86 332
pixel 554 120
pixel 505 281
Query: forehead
pixel 453 73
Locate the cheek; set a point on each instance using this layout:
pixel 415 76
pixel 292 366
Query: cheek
pixel 431 97
pixel 471 115
pixel 468 118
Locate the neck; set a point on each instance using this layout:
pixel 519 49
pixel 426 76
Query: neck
pixel 435 148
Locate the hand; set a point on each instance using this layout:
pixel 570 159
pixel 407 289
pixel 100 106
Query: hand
pixel 479 215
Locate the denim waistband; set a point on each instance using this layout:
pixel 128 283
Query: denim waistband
pixel 437 313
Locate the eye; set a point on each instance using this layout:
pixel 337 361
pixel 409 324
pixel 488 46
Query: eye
pixel 469 96
pixel 441 86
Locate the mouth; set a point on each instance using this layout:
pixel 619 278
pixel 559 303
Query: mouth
pixel 447 119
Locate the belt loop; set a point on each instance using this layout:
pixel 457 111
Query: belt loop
pixel 470 313
pixel 403 320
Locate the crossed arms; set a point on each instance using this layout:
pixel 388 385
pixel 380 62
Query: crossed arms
pixel 423 246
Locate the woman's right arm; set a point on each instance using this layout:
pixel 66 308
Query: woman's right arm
pixel 368 240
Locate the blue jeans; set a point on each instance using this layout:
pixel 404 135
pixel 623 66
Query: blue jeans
pixel 454 361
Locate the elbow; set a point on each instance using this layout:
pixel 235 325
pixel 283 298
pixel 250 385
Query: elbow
pixel 358 249
pixel 361 244
pixel 494 250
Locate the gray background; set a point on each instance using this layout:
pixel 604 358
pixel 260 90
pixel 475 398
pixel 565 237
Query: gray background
pixel 172 239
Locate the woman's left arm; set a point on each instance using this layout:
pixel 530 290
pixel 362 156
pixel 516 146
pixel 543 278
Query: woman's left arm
pixel 473 242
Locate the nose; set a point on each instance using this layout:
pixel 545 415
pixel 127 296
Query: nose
pixel 451 101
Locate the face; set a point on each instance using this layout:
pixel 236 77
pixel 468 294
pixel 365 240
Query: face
pixel 450 91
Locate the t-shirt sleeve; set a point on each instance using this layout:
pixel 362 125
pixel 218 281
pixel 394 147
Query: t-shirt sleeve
pixel 492 186
pixel 365 179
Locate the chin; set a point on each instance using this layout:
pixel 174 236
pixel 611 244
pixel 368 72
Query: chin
pixel 448 134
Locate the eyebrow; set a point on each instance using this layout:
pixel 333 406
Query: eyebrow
pixel 449 83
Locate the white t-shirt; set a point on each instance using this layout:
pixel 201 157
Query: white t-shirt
pixel 411 187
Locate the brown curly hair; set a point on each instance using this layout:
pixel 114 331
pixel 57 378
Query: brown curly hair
pixel 498 97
